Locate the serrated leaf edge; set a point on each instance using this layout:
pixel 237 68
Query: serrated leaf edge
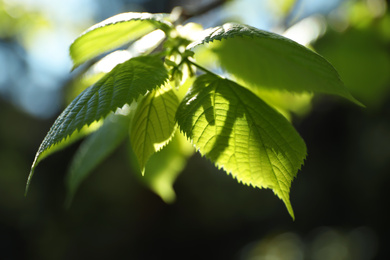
pixel 43 146
pixel 167 141
pixel 219 33
pixel 284 194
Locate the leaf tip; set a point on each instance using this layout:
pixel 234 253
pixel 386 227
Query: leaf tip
pixel 74 66
pixel 290 211
pixel 357 102
pixel 168 195
pixel 286 200
pixel 29 180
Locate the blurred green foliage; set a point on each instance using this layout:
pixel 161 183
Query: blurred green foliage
pixel 357 44
pixel 18 22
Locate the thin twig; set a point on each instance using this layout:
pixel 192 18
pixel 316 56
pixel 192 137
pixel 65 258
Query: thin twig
pixel 186 14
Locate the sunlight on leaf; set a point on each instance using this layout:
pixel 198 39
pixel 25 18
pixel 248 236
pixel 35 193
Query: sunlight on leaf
pixel 164 167
pixel 147 43
pixel 241 134
pixel 124 84
pixel 285 102
pixel 266 60
pixel 111 60
pixel 154 123
pixel 113 33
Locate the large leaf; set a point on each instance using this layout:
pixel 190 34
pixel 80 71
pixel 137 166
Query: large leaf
pixel 95 149
pixel 119 87
pixel 261 59
pixel 114 32
pixel 154 123
pixel 241 134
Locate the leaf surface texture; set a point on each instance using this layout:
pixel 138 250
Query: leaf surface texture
pixel 124 84
pixel 241 134
pixel 261 59
pixel 154 123
pixel 113 33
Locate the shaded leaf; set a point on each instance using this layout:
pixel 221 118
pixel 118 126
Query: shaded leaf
pixel 261 59
pixel 95 149
pixel 154 123
pixel 363 61
pixel 241 134
pixel 114 32
pixel 119 87
pixel 61 144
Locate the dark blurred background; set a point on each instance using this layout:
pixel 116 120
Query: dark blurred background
pixel 341 196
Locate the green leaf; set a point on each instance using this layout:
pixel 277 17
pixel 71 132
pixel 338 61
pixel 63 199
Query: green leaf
pixel 260 59
pixel 286 102
pixel 241 134
pixel 63 143
pixel 114 32
pixel 119 87
pixel 95 149
pixel 164 167
pixel 348 51
pixel 154 123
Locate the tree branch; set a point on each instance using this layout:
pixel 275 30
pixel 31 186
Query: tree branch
pixel 185 14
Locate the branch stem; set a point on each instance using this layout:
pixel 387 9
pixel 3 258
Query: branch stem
pixel 201 68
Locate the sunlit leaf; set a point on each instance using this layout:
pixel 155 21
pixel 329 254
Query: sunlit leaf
pixel 113 33
pixel 285 102
pixel 154 123
pixel 164 167
pixel 262 59
pixel 95 149
pixel 119 87
pixel 241 134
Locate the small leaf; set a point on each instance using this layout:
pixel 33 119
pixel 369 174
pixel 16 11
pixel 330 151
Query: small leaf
pixel 119 87
pixel 114 32
pixel 95 149
pixel 260 59
pixel 164 167
pixel 170 63
pixel 241 134
pixel 154 123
